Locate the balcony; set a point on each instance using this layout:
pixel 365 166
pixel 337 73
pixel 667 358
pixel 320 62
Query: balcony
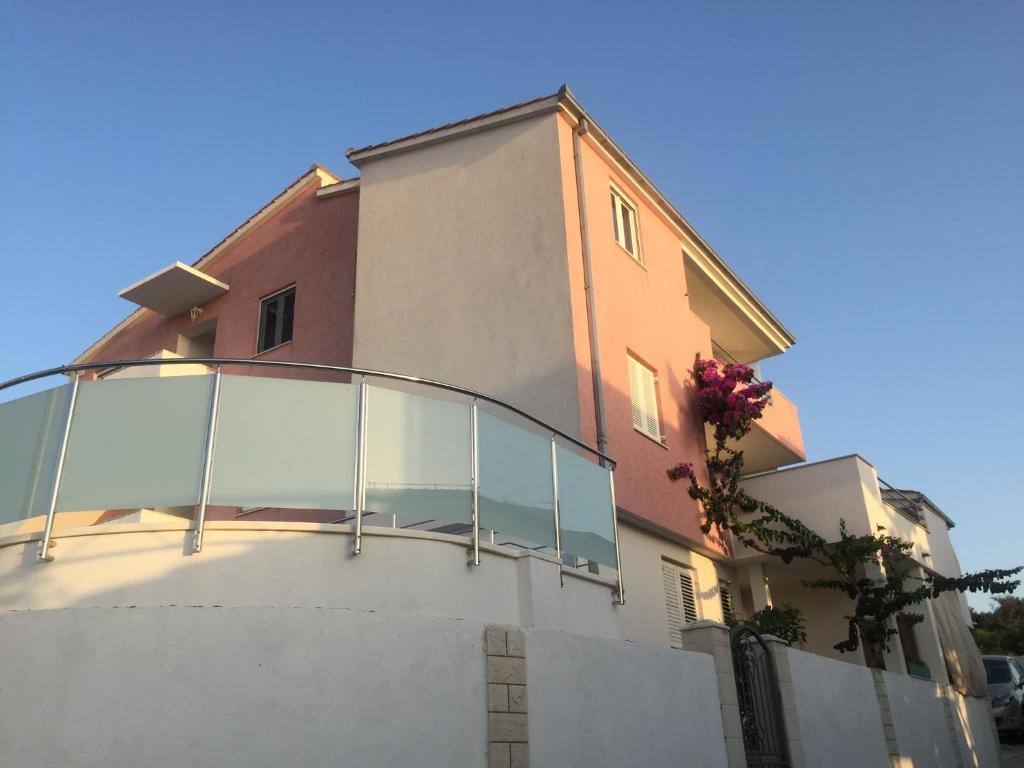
pixel 314 447
pixel 776 439
pixel 848 488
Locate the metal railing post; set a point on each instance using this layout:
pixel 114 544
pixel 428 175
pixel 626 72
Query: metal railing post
pixel 475 471
pixel 558 510
pixel 615 534
pixel 204 486
pixel 360 490
pixel 44 545
pixel 555 497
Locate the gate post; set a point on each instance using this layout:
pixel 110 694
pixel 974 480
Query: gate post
pixel 713 638
pixel 780 656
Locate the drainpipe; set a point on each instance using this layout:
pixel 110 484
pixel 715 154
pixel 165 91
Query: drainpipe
pixel 581 129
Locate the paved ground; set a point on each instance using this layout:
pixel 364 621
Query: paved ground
pixel 1012 755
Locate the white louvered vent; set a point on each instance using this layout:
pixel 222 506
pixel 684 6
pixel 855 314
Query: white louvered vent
pixel 680 599
pixel 644 399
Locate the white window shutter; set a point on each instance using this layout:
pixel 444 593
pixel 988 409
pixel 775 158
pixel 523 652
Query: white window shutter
pixel 680 600
pixel 689 595
pixel 725 595
pixel 653 427
pixel 636 395
pixel 672 604
pixel 644 399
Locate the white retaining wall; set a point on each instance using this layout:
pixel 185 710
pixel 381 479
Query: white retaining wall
pixel 177 686
pixel 597 702
pixel 922 726
pixel 840 721
pixel 975 735
pixel 276 647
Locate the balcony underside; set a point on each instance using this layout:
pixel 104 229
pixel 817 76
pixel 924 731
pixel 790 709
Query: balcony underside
pixel 775 439
pixel 763 451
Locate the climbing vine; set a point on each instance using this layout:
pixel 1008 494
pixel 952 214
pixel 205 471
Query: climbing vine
pixel 874 571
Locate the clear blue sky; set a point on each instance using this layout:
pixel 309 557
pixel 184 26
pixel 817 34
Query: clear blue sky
pixel 859 164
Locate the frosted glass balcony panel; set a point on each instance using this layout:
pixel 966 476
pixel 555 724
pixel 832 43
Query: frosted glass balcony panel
pixel 284 443
pixel 136 443
pixel 30 432
pixel 516 496
pixel 585 509
pixel 417 459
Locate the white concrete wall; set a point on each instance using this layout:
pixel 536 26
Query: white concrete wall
pixel 296 564
pixel 840 721
pixel 824 611
pixel 176 686
pixel 819 495
pixel 447 234
pixel 922 727
pixel 823 493
pixel 597 703
pixel 975 733
pixel 275 646
pixel 644 616
pixel 940 546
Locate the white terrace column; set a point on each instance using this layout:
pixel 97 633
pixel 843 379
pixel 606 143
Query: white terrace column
pixel 928 642
pixel 895 661
pixel 759 592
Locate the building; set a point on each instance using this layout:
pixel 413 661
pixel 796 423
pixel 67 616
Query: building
pixel 521 258
pixel 436 243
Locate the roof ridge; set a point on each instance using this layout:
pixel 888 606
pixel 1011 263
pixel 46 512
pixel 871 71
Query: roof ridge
pixel 454 124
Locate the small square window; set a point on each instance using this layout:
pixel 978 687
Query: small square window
pixel 277 317
pixel 643 397
pixel 624 224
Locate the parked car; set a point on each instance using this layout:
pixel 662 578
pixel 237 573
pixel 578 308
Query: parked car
pixel 1005 679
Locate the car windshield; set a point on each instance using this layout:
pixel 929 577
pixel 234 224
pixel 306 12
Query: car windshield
pixel 997 671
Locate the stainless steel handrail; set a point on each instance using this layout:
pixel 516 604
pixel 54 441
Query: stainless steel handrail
pixel 915 515
pixel 220 361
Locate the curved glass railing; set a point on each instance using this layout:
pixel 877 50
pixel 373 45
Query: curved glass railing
pixel 340 445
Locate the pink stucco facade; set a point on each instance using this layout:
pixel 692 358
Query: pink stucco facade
pixel 642 312
pixel 643 309
pixel 310 243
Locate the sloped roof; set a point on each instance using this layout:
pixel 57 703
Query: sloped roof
pixel 355 151
pixel 316 171
pixel 564 99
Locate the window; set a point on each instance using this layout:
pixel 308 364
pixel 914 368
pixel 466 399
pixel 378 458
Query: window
pixel 725 595
pixel 277 314
pixel 908 638
pixel 644 399
pixel 624 223
pixel 680 599
pixel 997 671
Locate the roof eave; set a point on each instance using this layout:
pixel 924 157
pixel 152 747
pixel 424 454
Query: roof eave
pixel 782 335
pixel 316 172
pixel 703 254
pixel 534 108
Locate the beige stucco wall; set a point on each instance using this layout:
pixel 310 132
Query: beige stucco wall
pixel 824 611
pixel 846 488
pixel 462 268
pixel 819 495
pixel 940 546
pixel 644 617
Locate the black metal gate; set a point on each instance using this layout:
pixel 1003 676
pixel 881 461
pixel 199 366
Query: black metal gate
pixel 757 687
